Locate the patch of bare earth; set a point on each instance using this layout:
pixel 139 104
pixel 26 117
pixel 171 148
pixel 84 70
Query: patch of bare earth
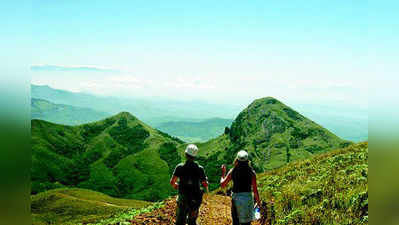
pixel 215 210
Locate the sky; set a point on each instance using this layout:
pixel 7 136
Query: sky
pixel 313 52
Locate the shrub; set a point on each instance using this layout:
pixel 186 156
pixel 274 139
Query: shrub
pixel 168 153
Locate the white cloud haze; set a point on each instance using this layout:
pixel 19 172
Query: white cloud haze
pixel 84 68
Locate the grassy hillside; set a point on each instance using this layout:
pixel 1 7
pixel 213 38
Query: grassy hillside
pixel 63 114
pixel 272 133
pixel 200 131
pixel 73 206
pixel 120 156
pixel 331 188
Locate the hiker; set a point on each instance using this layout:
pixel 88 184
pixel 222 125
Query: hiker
pixel 244 177
pixel 191 176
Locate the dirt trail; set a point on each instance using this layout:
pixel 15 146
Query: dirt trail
pixel 215 209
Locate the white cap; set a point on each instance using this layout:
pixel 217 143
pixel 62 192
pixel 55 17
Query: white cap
pixel 242 156
pixel 191 150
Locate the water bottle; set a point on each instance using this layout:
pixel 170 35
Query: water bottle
pixel 257 213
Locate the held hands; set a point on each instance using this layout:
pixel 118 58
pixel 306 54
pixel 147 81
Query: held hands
pixel 258 203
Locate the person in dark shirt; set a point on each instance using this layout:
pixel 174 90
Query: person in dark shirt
pixel 190 176
pixel 244 183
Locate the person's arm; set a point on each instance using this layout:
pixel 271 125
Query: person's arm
pixel 203 178
pixel 205 184
pixel 255 189
pixel 173 182
pixel 224 180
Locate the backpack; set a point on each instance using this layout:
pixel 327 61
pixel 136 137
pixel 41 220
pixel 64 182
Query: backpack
pixel 190 184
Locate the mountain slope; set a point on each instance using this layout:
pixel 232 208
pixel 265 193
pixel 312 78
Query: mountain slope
pixel 272 133
pixel 195 131
pixel 330 188
pixel 120 156
pixel 63 114
pixel 74 206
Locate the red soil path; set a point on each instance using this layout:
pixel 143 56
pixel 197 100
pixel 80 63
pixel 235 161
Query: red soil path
pixel 215 210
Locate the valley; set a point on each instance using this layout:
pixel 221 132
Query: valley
pixel 126 158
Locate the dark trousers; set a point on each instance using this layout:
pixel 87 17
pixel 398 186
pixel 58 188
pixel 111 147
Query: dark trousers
pixel 234 215
pixel 186 213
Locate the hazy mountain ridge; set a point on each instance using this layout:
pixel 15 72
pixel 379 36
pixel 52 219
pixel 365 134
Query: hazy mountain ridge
pixel 63 114
pixel 345 121
pixel 196 131
pixel 152 111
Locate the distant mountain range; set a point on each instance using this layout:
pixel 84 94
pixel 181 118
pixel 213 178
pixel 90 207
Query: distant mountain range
pixel 200 131
pixel 150 110
pixel 176 116
pixel 63 114
pixel 189 131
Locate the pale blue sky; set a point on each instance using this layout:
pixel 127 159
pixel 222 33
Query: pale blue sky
pixel 219 51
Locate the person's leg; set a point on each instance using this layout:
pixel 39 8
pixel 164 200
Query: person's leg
pixel 181 212
pixel 192 216
pixel 234 214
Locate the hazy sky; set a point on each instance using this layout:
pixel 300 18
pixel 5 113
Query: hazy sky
pixel 218 51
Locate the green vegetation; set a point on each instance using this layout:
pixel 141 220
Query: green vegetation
pixel 74 206
pixel 296 159
pixel 126 217
pixel 119 156
pixel 272 133
pixel 169 154
pixel 125 135
pixel 330 188
pixel 200 131
pixel 63 114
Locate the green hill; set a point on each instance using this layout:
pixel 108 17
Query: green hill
pixel 198 131
pixel 74 206
pixel 272 133
pixel 119 156
pixel 63 114
pixel 331 188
